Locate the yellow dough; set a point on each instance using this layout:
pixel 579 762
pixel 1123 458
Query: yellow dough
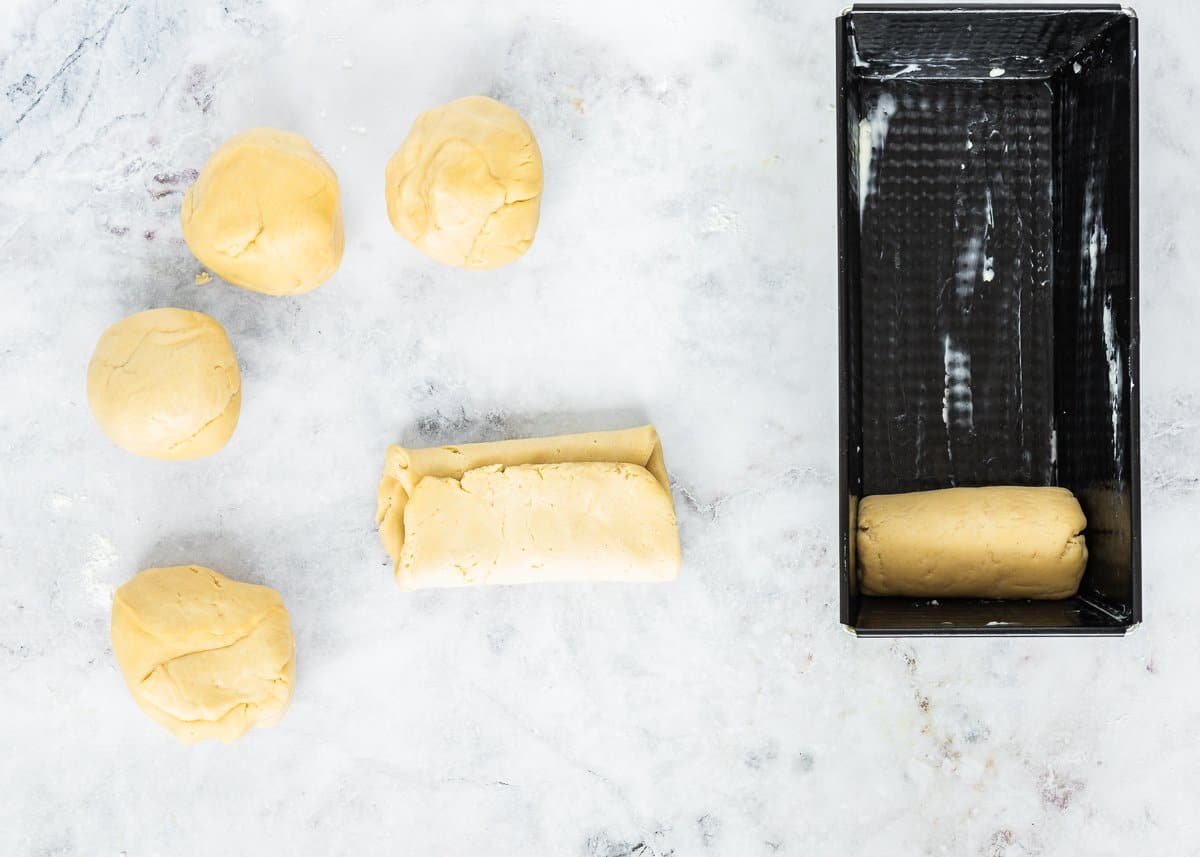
pixel 593 506
pixel 539 522
pixel 164 383
pixel 466 185
pixel 265 213
pixel 203 655
pixel 996 542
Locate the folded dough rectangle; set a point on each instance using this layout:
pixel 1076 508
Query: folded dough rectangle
pixel 594 506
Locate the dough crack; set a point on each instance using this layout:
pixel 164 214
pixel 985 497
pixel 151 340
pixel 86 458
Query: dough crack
pixel 206 425
pixel 250 244
pixel 483 227
pixel 166 664
pixel 202 720
pixel 116 367
pixel 205 656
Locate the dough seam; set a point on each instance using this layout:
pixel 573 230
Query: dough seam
pixel 590 520
pixel 249 245
pixel 202 721
pixel 191 437
pixel 404 468
pixel 166 665
pixel 522 244
pixel 132 618
pixel 117 367
pixel 491 215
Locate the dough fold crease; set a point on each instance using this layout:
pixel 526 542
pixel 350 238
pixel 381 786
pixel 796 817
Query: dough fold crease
pixel 592 506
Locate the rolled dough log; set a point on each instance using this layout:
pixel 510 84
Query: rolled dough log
pixel 440 509
pixel 996 542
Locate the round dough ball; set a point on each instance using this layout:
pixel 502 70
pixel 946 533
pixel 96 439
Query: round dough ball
pixel 265 213
pixel 466 186
pixel 164 383
pixel 203 655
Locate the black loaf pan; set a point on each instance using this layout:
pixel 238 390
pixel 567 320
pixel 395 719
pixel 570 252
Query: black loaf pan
pixel 987 240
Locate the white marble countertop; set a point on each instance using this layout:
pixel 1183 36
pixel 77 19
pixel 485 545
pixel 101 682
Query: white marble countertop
pixel 684 273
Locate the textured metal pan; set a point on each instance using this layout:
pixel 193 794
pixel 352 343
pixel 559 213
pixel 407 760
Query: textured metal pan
pixel 987 248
